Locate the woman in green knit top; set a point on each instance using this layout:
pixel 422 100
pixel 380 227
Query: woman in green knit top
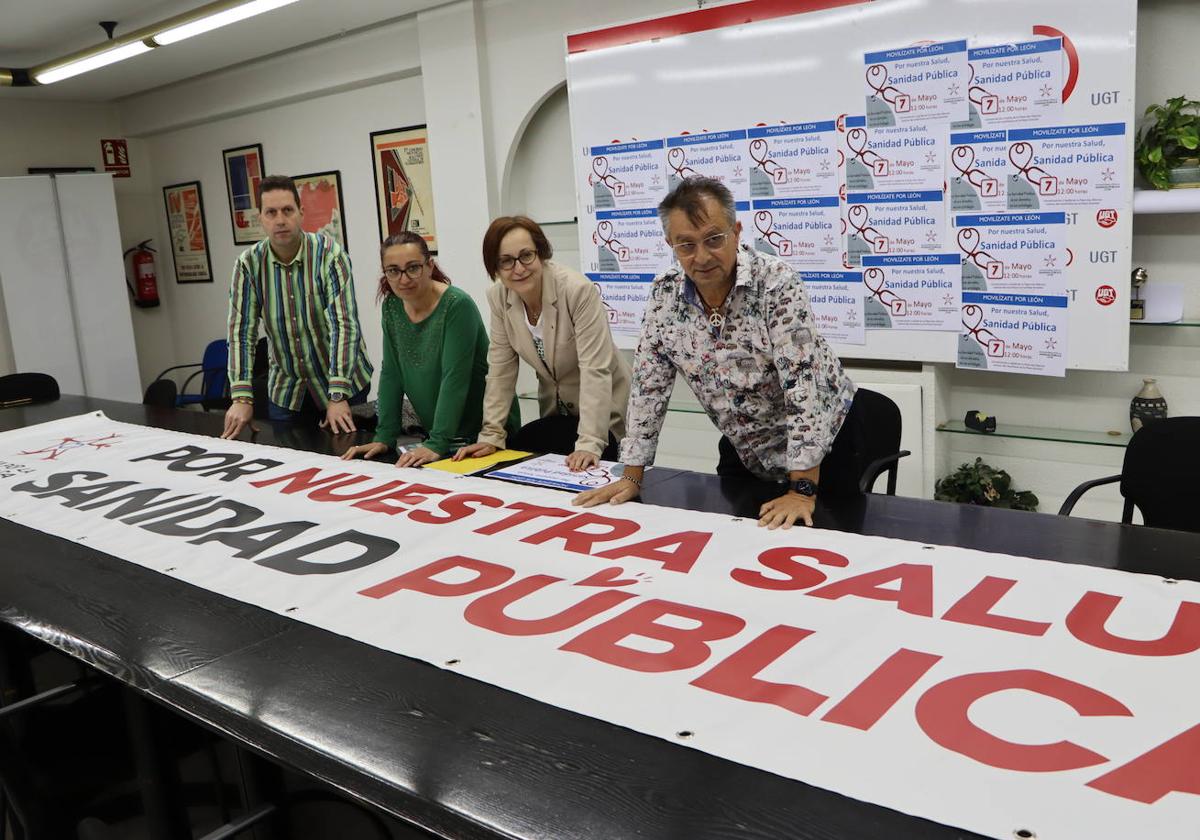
pixel 434 352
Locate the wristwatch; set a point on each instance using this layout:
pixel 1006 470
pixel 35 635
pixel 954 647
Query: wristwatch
pixel 804 486
pixel 338 397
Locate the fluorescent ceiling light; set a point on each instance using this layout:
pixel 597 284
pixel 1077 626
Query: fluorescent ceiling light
pixel 217 20
pixel 83 65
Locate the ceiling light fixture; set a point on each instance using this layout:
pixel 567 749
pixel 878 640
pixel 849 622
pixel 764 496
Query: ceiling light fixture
pixel 206 18
pixel 216 20
pixel 49 74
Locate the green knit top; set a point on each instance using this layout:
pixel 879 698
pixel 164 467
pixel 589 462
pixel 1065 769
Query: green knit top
pixel 440 364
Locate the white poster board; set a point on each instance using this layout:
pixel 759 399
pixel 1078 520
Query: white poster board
pixel 727 69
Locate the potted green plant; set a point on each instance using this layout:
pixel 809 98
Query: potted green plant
pixel 1167 145
pixel 982 484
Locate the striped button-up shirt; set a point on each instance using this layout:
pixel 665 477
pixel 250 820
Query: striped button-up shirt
pixel 309 313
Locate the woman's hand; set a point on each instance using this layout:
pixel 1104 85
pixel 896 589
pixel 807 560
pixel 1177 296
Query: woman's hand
pixel 417 456
pixel 578 461
pixel 366 450
pixel 474 450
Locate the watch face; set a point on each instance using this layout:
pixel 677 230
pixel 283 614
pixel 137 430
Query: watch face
pixel 805 487
pixel 336 397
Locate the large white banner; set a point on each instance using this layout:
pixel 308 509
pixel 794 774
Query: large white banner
pixel 999 694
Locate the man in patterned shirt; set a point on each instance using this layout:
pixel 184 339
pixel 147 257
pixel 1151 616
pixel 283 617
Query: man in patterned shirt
pixel 300 286
pixel 737 325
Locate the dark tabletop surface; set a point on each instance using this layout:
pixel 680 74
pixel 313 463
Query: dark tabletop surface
pixel 456 756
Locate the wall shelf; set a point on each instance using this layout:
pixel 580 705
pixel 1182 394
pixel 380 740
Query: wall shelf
pixel 1166 201
pixel 1165 323
pixel 1007 430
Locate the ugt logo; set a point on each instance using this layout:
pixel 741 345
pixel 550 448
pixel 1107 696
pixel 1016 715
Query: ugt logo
pixel 66 444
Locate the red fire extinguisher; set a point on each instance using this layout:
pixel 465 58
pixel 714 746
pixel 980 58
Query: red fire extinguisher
pixel 144 287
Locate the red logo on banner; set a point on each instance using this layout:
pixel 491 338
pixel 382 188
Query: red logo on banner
pixel 1106 218
pixel 116 157
pixel 1106 295
pixel 54 450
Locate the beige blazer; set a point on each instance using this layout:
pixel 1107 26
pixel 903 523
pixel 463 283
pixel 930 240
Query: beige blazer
pixel 582 368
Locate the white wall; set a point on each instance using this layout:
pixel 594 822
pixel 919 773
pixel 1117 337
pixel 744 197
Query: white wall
pixel 66 134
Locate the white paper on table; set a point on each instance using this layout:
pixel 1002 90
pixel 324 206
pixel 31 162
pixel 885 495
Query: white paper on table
pixel 552 471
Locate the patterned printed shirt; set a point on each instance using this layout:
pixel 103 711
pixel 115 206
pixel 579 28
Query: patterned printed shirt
pixel 309 313
pixel 767 380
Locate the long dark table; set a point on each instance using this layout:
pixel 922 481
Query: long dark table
pixel 459 757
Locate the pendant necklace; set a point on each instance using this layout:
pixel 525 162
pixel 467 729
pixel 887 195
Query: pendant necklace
pixel 716 318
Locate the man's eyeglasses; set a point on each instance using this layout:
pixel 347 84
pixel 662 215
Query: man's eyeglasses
pixel 413 270
pixel 506 262
pixel 711 243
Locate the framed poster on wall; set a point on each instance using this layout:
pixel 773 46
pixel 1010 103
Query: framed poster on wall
pixel 321 203
pixel 189 232
pixel 244 168
pixel 403 183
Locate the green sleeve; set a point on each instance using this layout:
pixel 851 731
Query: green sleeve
pixel 390 405
pixel 460 337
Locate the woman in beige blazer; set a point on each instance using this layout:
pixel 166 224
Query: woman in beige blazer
pixel 554 319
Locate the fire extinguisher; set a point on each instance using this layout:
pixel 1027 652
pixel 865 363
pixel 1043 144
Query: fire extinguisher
pixel 145 286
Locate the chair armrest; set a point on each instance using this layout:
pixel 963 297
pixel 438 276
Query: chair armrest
pixel 177 367
pixel 201 372
pixel 1069 504
pixel 874 469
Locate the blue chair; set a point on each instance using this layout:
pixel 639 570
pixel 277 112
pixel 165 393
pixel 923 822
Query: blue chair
pixel 214 380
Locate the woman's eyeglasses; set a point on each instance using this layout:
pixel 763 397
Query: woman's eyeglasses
pixel 506 262
pixel 413 270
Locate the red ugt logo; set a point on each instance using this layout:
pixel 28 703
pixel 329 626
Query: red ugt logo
pixel 67 444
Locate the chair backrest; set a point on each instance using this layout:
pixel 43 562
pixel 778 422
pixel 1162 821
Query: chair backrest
pixel 882 418
pixel 216 364
pixel 161 392
pixel 38 387
pixel 1161 473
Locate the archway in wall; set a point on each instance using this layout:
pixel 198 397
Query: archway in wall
pixel 539 175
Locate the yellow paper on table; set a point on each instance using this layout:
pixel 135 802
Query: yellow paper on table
pixel 473 465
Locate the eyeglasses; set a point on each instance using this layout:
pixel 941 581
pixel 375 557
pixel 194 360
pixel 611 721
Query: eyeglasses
pixel 526 257
pixel 413 270
pixel 711 243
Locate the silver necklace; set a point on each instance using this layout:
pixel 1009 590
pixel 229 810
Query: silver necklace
pixel 716 318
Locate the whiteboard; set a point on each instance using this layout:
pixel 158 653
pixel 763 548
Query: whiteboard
pixel 655 80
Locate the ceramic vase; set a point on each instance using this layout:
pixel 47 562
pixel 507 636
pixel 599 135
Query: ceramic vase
pixel 1147 406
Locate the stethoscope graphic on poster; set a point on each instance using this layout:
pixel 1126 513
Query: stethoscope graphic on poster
pixel 858 141
pixel 765 223
pixel 760 153
pixel 1020 154
pixel 988 103
pixel 876 282
pixel 970 243
pixel 877 79
pixel 677 160
pixel 860 220
pixel 973 313
pixel 603 237
pixel 963 159
pixel 600 175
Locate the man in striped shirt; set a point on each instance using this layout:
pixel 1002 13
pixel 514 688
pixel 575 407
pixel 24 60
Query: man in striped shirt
pixel 300 286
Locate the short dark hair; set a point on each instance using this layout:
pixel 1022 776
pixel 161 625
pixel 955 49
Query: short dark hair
pixel 501 228
pixel 688 195
pixel 277 182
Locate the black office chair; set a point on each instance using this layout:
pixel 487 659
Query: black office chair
pixel 879 450
pixel 21 388
pixel 1158 476
pixel 162 393
pixel 214 383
